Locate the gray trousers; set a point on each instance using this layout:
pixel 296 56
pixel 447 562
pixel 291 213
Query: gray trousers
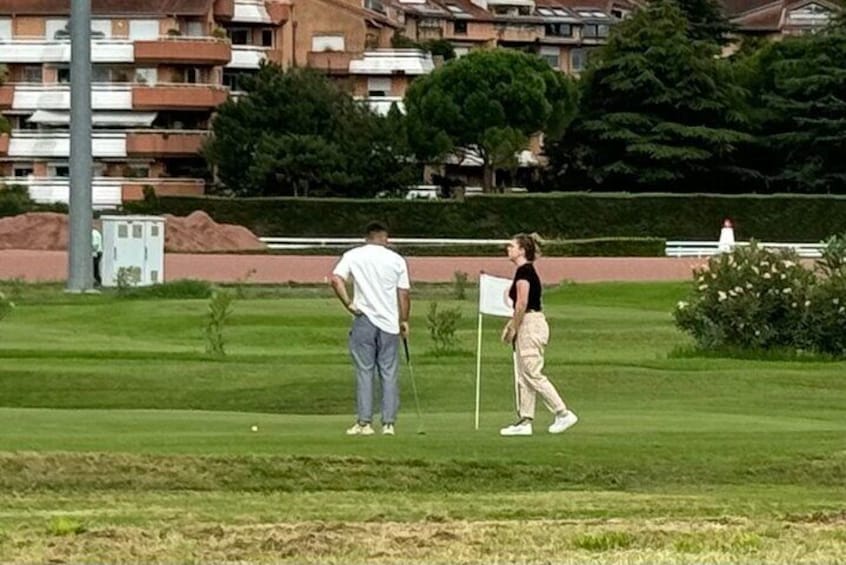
pixel 375 351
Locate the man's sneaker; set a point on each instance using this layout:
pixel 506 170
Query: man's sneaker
pixel 522 428
pixel 388 429
pixel 562 422
pixel 360 429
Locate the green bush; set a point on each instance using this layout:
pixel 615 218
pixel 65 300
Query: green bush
pixel 554 216
pixel 442 325
pixel 760 299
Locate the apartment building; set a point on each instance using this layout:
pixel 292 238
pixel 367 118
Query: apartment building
pixel 563 32
pixel 159 70
pixel 774 19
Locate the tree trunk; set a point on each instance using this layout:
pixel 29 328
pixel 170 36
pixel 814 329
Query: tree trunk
pixel 489 177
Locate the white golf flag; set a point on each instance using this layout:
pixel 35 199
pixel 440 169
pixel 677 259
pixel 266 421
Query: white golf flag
pixel 493 296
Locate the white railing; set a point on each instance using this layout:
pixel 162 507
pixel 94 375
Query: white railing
pixel 709 248
pixel 314 242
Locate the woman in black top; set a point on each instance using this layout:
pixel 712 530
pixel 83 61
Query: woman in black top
pixel 528 333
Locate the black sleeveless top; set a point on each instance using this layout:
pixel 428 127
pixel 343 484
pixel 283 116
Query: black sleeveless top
pixel 527 273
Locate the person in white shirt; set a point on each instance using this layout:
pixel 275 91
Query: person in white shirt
pixel 380 309
pixel 96 254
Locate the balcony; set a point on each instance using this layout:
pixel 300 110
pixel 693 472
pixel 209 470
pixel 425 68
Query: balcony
pixel 178 97
pixel 184 50
pixel 133 189
pixel 247 56
pixel 411 62
pixel 16 51
pixel 106 192
pixel 382 104
pixel 32 97
pixel 7 93
pixel 330 62
pixel 224 9
pixel 519 32
pixel 46 144
pixel 178 143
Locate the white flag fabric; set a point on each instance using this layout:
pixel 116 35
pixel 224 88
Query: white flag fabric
pixel 493 296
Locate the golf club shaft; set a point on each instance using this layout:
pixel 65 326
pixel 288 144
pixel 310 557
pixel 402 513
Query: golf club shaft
pixel 413 382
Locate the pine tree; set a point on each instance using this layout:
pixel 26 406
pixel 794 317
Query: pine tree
pixel 658 111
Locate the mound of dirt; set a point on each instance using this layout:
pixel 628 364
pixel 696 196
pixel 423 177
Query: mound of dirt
pixel 195 233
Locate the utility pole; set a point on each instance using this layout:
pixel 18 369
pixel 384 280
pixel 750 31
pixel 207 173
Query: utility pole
pixel 80 266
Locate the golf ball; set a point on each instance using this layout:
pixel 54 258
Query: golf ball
pixel 254 428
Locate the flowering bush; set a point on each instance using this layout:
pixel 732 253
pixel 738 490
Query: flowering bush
pixel 6 306
pixel 754 298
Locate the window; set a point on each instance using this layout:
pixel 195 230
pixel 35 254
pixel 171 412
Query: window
pixel 546 12
pixel 578 60
pixel 100 73
pixel 267 37
pixel 22 171
pixel 101 28
pixel 239 36
pixel 56 27
pixel 154 231
pixel 192 28
pixel 137 231
pixel 123 231
pixel 378 87
pixel 33 73
pixel 5 28
pixel 146 76
pixel 191 75
pixel 327 43
pixel 143 29
pixel 63 75
pixel 595 30
pixel 459 28
pixel 58 170
pixel 551 55
pixel 235 79
pixel 455 9
pixel 558 30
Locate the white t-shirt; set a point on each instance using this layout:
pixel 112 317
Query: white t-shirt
pixel 377 273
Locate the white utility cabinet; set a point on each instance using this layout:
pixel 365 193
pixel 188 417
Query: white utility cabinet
pixel 135 244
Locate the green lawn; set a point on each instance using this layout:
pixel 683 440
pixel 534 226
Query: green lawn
pixel 121 440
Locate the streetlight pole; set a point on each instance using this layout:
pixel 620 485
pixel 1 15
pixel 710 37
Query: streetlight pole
pixel 80 266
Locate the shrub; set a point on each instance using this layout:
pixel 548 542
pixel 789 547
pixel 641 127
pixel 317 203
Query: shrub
pixel 760 299
pixel 459 285
pixel 6 306
pixel 442 325
pixel 220 308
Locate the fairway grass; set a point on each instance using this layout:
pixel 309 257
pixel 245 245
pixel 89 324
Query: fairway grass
pixel 121 441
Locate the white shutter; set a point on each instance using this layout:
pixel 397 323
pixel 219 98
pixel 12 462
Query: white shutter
pixel 143 29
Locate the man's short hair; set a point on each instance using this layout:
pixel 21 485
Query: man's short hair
pixel 375 227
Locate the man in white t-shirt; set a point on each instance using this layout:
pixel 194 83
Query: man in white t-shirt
pixel 380 308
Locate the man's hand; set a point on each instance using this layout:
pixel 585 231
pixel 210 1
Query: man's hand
pixel 352 309
pixel 508 334
pixel 404 329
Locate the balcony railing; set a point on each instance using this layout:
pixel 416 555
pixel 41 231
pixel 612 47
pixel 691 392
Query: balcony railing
pixel 40 50
pixel 224 9
pixel 331 62
pixel 185 50
pixel 188 96
pixel 165 143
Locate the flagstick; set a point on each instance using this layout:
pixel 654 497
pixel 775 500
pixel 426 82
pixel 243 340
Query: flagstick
pixel 478 368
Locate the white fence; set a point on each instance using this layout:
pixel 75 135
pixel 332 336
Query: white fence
pixel 709 248
pixel 671 249
pixel 311 242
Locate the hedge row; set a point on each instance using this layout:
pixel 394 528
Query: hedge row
pixel 791 218
pixel 598 247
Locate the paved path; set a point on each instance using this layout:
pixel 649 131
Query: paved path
pixel 52 266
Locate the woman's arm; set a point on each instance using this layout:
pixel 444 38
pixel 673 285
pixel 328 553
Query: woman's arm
pixel 509 334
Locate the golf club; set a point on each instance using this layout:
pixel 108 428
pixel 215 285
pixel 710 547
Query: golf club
pixel 420 429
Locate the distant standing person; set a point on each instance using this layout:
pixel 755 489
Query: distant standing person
pixel 380 309
pixel 528 333
pixel 97 254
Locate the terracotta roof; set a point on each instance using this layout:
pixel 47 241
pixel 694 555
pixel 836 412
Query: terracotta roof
pixel 108 7
pixel 764 18
pixel 736 7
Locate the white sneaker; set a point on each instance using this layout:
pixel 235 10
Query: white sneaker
pixel 563 422
pixel 360 430
pixel 388 430
pixel 519 429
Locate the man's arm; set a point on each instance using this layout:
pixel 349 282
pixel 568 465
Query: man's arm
pixel 404 299
pixel 339 285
